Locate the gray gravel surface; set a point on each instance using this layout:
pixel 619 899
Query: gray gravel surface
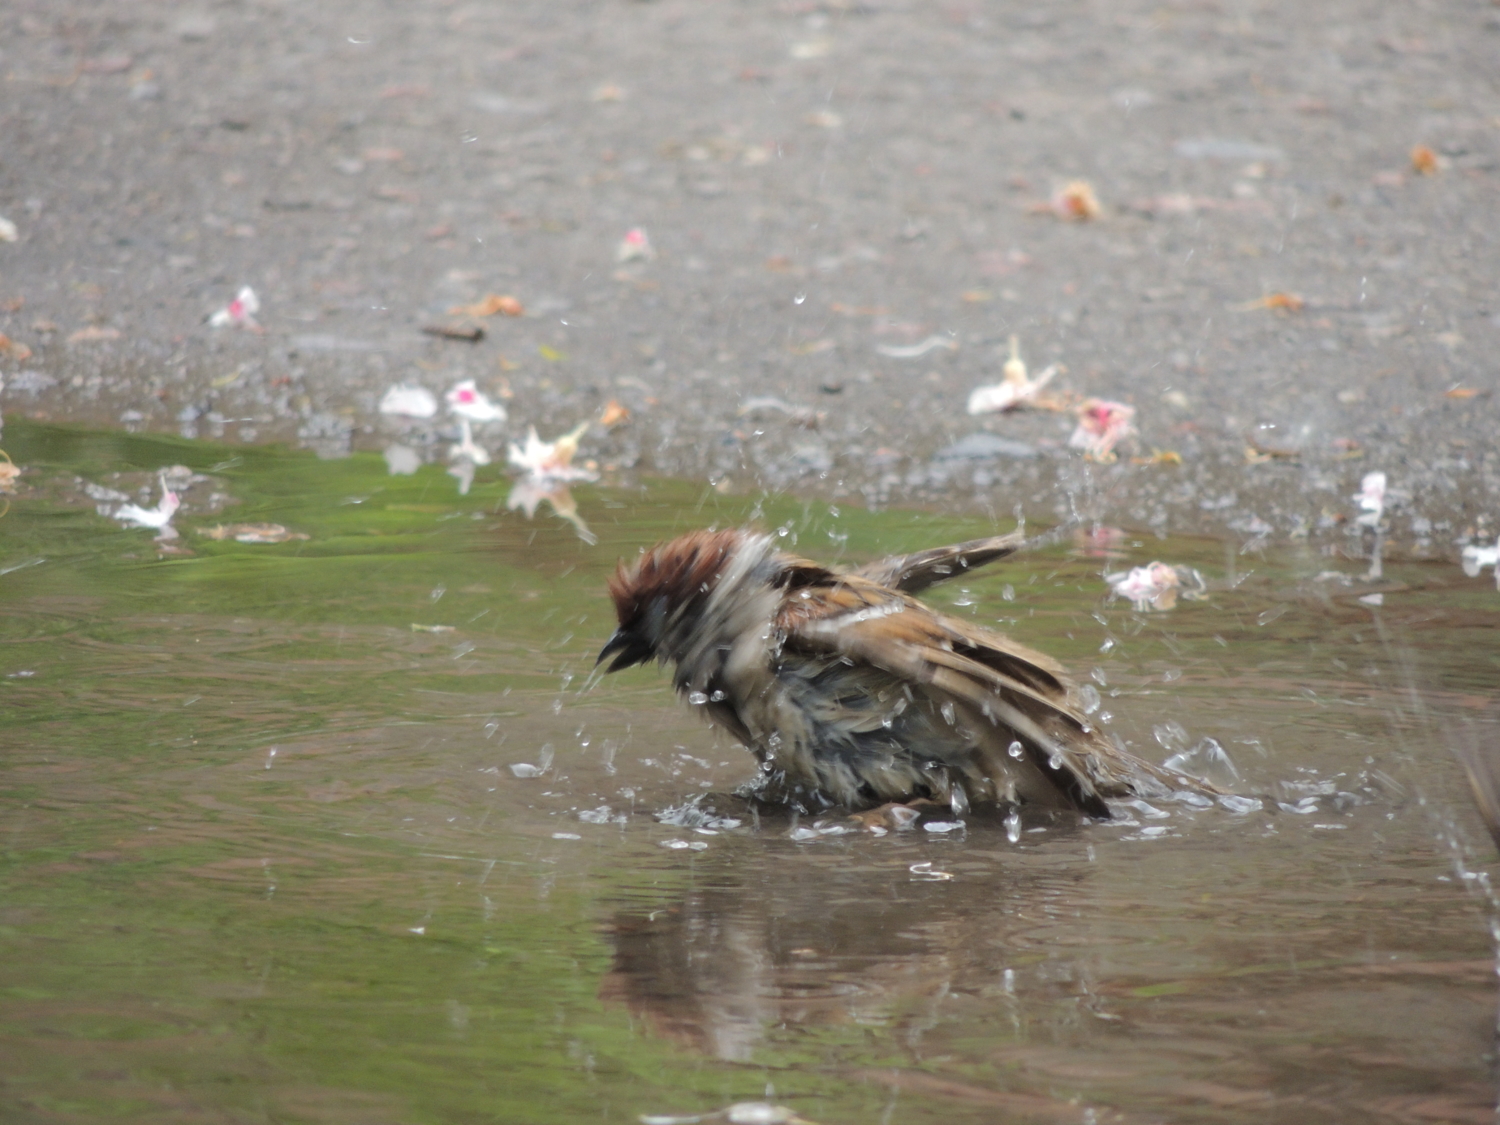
pixel 818 181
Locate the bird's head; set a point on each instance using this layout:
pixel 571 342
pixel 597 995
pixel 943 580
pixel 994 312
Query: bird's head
pixel 660 597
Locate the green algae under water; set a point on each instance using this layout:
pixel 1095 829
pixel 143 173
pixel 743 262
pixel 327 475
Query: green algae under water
pixel 264 857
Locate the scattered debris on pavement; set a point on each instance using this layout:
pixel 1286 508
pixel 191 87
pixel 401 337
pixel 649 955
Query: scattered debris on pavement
pixel 468 333
pixel 1101 426
pixel 409 401
pixel 1283 303
pixel 239 313
pixel 545 461
pixel 14 349
pixel 467 401
pixel 915 351
pixel 1015 389
pixel 1074 202
pixel 634 247
pixel 1371 498
pixel 491 304
pixel 1425 162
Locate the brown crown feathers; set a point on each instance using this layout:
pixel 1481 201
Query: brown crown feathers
pixel 851 692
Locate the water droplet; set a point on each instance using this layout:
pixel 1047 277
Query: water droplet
pixel 799 298
pixel 1237 804
pixel 1271 615
pixel 1013 827
pixel 717 697
pixel 697 698
pixel 950 716
pixel 1016 750
pixel 1008 978
pixel 1207 760
pixel 1170 735
pixel 958 800
pixel 1055 762
pixel 927 872
pixel 1008 592
pixel 1088 696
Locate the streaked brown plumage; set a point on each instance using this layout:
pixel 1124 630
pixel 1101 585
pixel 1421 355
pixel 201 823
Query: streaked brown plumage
pixel 851 692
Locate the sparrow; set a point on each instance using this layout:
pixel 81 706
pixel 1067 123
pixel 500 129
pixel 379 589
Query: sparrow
pixel 851 692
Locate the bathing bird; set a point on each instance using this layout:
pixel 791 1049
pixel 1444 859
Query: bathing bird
pixel 850 692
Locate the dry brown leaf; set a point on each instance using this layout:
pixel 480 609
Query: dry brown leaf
pixel 1076 201
pixel 613 414
pixel 1159 457
pixel 1462 392
pixel 93 333
pixel 1424 161
pixel 1280 302
pixel 1258 454
pixel 489 305
pixel 14 349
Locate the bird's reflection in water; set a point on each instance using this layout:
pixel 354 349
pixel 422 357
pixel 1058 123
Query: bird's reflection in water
pixel 527 494
pixel 837 933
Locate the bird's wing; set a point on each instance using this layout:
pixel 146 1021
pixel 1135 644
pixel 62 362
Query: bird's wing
pixel 1008 692
pixel 911 573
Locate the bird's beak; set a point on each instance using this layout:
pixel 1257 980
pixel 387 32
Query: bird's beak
pixel 626 648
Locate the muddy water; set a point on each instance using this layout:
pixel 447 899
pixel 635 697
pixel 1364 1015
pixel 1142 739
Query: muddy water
pixel 341 829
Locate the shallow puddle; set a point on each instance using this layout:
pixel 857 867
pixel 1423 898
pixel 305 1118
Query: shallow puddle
pixel 341 828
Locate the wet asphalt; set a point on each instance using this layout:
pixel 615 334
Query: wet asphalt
pixel 1291 276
